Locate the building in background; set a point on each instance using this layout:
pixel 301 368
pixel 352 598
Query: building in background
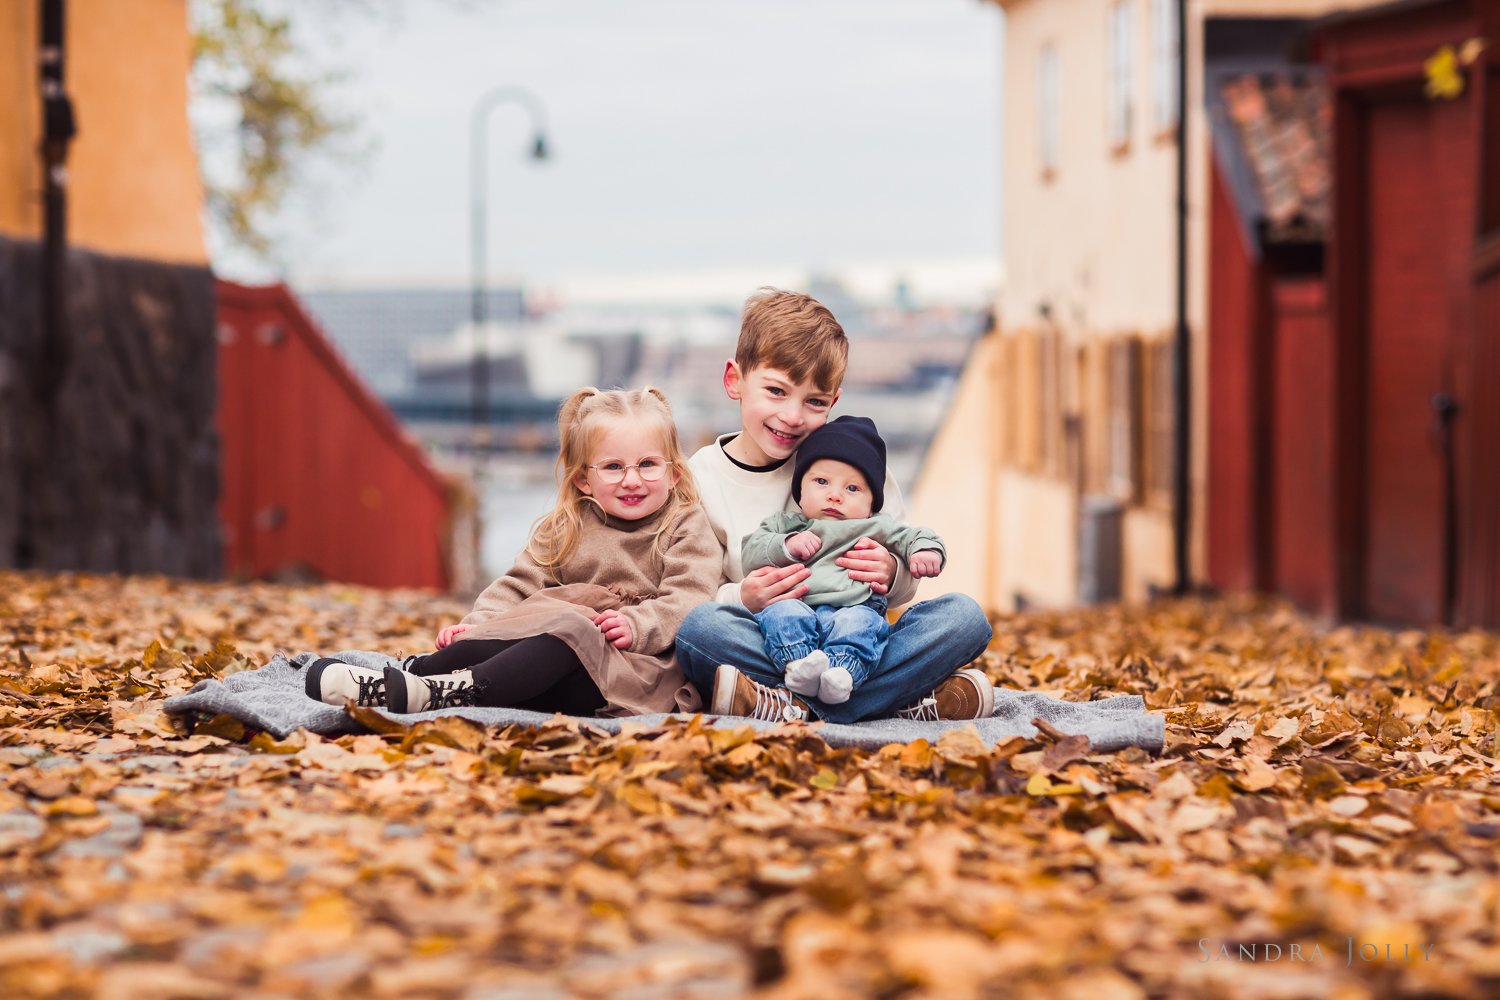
pixel 1063 423
pixel 116 405
pixel 1341 288
pixel 109 460
pixel 320 480
pixel 1354 333
pixel 376 328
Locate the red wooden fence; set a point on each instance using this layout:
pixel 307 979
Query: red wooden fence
pixel 318 476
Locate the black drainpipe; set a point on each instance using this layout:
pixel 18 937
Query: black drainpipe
pixel 1182 356
pixel 58 130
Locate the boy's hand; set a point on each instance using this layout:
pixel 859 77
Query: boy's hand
pixel 770 584
pixel 803 545
pixel 446 636
pixel 616 629
pixel 928 562
pixel 870 562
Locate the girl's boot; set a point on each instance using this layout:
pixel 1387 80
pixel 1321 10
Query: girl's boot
pixel 334 682
pixel 405 692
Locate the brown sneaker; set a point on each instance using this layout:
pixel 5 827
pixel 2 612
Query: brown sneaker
pixel 736 694
pixel 968 694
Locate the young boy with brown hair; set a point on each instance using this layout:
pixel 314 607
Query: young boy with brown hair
pixel 785 375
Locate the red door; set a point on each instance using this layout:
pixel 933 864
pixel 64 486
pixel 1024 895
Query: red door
pixel 1419 212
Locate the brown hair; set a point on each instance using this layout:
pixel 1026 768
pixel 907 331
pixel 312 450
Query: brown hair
pixel 580 420
pixel 794 333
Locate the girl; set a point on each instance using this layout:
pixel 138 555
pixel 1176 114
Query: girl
pixel 585 620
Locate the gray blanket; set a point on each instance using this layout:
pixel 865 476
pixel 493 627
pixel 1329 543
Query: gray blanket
pixel 273 699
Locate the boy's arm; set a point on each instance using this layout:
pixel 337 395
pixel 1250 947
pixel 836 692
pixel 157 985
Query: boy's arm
pixel 525 578
pixel 903 584
pixel 691 568
pixel 766 545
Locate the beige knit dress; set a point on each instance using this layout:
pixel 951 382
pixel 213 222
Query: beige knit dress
pixel 612 567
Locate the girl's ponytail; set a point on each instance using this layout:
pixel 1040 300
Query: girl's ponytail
pixel 567 414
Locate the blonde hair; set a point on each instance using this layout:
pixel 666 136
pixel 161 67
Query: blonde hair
pixel 580 420
pixel 794 333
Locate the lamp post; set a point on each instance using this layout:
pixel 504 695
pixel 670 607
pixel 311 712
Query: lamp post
pixel 478 241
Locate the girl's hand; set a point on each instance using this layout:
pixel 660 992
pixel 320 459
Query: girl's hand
pixel 925 563
pixel 615 627
pixel 446 636
pixel 803 545
pixel 770 584
pixel 869 562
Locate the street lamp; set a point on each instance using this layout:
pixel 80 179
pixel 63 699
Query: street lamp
pixel 478 239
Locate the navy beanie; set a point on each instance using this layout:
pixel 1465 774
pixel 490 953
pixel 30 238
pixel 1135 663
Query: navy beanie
pixel 848 439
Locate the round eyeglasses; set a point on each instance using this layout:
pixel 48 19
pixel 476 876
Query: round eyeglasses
pixel 649 469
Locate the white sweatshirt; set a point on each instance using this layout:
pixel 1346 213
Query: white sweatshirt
pixel 737 500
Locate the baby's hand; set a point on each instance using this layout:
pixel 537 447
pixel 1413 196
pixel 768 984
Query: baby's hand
pixel 446 636
pixel 928 562
pixel 803 545
pixel 616 629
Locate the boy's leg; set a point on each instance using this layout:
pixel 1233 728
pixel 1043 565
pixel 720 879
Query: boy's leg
pixel 854 639
pixel 927 644
pixel 723 633
pixel 790 629
pixel 924 647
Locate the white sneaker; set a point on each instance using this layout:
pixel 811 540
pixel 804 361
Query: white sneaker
pixel 334 682
pixel 406 692
pixel 803 675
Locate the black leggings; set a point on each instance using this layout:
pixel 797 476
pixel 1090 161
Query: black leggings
pixel 540 673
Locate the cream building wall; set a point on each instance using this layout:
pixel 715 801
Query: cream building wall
pixel 1094 242
pixel 954 491
pixel 133 189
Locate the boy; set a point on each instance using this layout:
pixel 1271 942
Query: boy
pixel 785 375
pixel 827 642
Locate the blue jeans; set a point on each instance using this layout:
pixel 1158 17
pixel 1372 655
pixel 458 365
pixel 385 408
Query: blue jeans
pixel 927 644
pixel 853 637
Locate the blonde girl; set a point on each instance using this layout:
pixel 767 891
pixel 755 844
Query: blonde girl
pixel 585 620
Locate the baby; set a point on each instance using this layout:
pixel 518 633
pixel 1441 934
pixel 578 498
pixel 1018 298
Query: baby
pixel 827 642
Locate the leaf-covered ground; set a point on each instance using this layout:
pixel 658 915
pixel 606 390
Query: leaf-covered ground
pixel 1324 823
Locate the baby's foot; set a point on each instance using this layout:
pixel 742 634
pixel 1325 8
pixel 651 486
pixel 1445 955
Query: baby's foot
pixel 802 675
pixel 834 686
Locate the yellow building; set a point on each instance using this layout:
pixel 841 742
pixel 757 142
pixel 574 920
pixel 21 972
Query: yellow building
pixel 133 186
pixel 108 455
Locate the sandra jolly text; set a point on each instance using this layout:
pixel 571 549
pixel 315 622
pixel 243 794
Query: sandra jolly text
pixel 1270 951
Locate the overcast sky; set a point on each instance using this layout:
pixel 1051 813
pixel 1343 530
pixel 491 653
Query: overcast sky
pixel 697 146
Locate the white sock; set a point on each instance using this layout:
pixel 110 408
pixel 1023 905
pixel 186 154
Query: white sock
pixel 835 686
pixel 802 674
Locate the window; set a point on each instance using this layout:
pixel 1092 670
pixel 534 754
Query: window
pixel 1121 71
pixel 1124 459
pixel 1097 359
pixel 1165 39
pixel 1029 417
pixel 1160 414
pixel 1049 392
pixel 1010 404
pixel 1048 113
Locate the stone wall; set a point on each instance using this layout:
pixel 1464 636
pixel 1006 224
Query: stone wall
pixel 121 472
